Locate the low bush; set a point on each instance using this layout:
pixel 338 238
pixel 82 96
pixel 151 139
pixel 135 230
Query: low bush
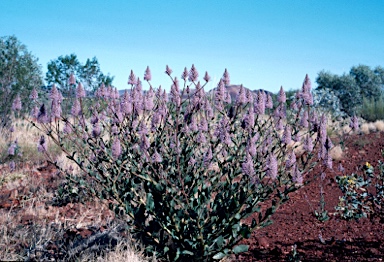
pixel 373 109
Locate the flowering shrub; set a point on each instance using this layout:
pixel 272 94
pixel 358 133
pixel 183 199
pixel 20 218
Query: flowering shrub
pixel 185 170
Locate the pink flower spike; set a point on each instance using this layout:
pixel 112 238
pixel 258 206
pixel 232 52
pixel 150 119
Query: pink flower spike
pixel 185 73
pixel 80 92
pixel 354 124
pixel 34 94
pixel 226 77
pixel 132 79
pixel 42 145
pixel 72 80
pixel 116 148
pixel 272 166
pixel 168 70
pixel 147 74
pixel 193 74
pixel 281 96
pixel 16 105
pixel 206 77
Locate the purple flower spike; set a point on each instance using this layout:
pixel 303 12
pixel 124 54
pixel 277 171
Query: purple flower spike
pixel 323 129
pixel 297 177
pixel 67 128
pixel 42 115
pixel 76 108
pixel 206 77
pixel 185 74
pixel 42 145
pixel 291 160
pixel 249 95
pixel 96 131
pixel 294 106
pixel 168 70
pixel 354 124
pixel 304 119
pixel 308 144
pixel 268 102
pixel 272 166
pixel 54 94
pixel 33 96
pixel 193 74
pixel 306 85
pixel 80 92
pixel 11 149
pixel 220 92
pixel 132 79
pixel 116 148
pixel 259 103
pixel 281 96
pixel 35 112
pixel 201 139
pixel 12 166
pixel 226 78
pixel 286 138
pixel 147 74
pixel 247 166
pixel 72 80
pixel 207 158
pixel 56 109
pixel 241 97
pixel 156 157
pixel 16 105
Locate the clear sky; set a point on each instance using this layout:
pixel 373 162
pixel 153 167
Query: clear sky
pixel 263 44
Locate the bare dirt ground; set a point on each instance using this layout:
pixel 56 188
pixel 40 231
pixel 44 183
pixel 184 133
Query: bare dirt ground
pixel 333 240
pixel 25 204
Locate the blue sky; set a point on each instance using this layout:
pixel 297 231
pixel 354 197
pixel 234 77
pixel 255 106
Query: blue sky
pixel 263 44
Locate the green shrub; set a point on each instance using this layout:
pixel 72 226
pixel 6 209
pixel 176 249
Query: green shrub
pixel 373 109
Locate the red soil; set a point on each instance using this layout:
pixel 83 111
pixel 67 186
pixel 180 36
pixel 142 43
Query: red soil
pixel 295 224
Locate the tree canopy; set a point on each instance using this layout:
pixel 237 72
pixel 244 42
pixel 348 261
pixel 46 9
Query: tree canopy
pixel 360 83
pixel 19 74
pixel 89 73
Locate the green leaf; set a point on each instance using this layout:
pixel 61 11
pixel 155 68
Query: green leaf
pixel 187 252
pixel 219 255
pixel 220 241
pixel 240 248
pixel 150 202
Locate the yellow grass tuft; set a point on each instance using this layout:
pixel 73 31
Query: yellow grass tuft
pixel 379 124
pixel 337 153
pixel 364 128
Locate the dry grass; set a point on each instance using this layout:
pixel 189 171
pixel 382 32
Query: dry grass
pixel 30 240
pixel 337 153
pixel 379 124
pixel 27 138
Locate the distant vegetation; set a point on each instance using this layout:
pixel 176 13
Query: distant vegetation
pixel 356 90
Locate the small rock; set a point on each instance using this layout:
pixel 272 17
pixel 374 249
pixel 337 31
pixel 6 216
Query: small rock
pixel 263 242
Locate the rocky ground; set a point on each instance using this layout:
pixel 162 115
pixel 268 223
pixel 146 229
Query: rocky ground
pixel 34 228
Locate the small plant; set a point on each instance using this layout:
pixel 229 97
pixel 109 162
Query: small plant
pixel 322 214
pixel 72 190
pixel 185 171
pixel 356 201
pixel 294 256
